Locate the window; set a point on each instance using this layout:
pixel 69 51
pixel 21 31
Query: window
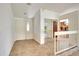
pixel 28 26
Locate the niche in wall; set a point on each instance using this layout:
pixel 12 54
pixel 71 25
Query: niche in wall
pixel 64 25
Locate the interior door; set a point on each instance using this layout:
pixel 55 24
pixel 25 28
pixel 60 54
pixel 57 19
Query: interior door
pixel 29 29
pixel 54 27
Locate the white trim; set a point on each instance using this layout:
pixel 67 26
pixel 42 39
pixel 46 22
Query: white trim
pixel 65 32
pixel 11 46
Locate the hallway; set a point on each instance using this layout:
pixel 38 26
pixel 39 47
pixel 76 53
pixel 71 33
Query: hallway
pixel 32 48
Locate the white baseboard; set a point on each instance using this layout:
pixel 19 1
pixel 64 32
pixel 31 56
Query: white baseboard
pixel 11 47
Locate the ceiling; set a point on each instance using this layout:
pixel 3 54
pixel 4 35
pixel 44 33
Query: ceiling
pixel 22 9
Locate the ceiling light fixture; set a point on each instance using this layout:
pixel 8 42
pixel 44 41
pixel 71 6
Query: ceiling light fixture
pixel 28 3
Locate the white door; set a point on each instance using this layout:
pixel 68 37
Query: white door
pixel 29 29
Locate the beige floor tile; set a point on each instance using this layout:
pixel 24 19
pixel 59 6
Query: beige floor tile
pixel 32 48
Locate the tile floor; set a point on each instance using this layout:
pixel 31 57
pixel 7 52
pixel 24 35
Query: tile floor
pixel 32 48
pixel 75 53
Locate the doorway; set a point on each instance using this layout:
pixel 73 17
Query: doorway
pixel 48 29
pixel 54 28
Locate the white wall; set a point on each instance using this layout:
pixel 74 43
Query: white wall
pixel 6 18
pixel 36 21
